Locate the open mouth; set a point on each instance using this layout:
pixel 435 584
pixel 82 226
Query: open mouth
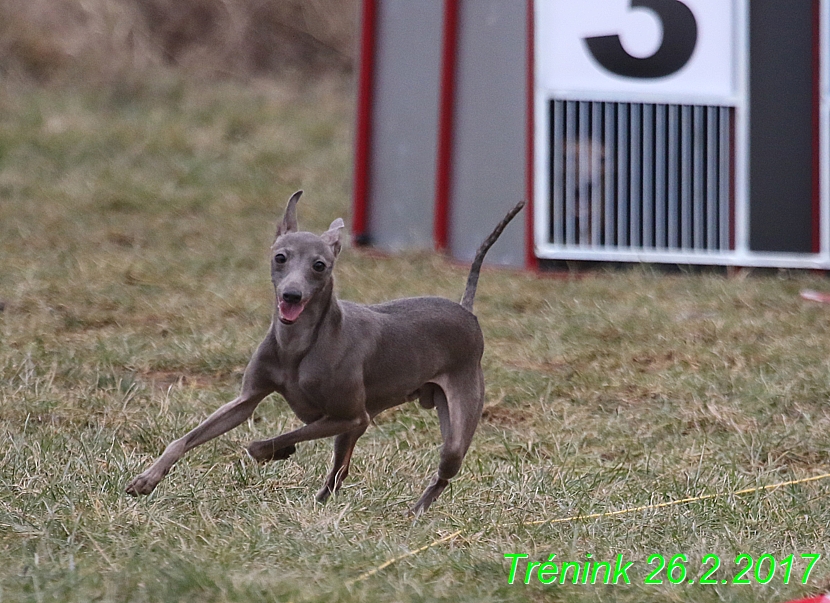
pixel 289 313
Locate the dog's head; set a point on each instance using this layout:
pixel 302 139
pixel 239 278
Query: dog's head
pixel 301 262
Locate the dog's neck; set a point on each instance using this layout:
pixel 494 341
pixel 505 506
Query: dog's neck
pixel 322 313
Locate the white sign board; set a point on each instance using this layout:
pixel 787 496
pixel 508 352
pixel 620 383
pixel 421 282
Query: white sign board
pixel 679 51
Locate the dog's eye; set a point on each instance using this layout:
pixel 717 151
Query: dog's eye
pixel 319 266
pixel 279 258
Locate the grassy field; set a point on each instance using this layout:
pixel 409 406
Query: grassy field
pixel 134 231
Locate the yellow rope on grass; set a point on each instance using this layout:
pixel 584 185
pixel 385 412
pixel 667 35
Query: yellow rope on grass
pixel 386 564
pixel 661 505
pixel 681 501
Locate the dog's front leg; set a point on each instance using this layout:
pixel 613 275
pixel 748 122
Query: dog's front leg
pixel 343 449
pixel 224 419
pixel 282 446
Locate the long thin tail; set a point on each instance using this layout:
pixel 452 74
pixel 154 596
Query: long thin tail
pixel 472 279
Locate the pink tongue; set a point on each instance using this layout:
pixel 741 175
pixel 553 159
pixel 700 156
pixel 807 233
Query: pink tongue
pixel 290 312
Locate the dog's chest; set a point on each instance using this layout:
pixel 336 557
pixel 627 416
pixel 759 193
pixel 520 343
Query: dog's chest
pixel 312 393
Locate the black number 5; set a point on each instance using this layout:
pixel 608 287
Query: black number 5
pixel 679 40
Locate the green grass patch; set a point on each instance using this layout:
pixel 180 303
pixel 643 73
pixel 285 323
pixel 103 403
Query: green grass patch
pixel 134 235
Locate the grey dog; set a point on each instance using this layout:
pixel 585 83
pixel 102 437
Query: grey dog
pixel 338 364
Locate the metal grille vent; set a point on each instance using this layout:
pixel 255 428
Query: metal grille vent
pixel 635 176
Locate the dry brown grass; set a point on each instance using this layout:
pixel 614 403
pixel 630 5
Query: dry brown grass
pixel 104 40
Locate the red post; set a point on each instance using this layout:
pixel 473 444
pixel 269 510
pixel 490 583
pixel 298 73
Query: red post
pixel 531 261
pixel 443 173
pixel 363 131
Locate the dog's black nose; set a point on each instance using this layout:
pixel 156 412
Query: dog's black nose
pixel 292 297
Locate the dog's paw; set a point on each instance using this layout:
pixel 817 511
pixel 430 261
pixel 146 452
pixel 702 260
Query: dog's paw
pixel 323 494
pixel 428 497
pixel 265 451
pixel 143 484
pixel 415 511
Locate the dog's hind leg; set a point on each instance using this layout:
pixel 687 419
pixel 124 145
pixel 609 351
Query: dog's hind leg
pixel 458 400
pixel 343 448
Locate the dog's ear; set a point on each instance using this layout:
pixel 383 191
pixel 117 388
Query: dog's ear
pixel 289 219
pixel 332 236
